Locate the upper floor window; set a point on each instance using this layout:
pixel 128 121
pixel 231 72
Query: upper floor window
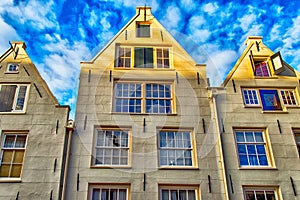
pixel 143 29
pixel 142 57
pixel 176 148
pixel 13 67
pixel 13 97
pixel 178 192
pixel 12 154
pixel 251 148
pixel 111 147
pixel 271 99
pixel 136 97
pixel 109 192
pixel 262 193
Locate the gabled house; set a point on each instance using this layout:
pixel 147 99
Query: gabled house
pixel 258 116
pixel 144 123
pixel 33 132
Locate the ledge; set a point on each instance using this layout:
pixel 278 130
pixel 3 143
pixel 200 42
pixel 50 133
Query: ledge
pixel 10 180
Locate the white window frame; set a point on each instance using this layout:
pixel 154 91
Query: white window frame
pixel 143 98
pixel 177 189
pixel 12 71
pixel 14 149
pixel 101 187
pixel 112 148
pixel 251 93
pixel 14 108
pixel 289 95
pixel 132 59
pixel 263 189
pixel 175 149
pixel 247 144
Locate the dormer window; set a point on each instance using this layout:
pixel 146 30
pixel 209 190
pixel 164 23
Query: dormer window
pixel 142 29
pixel 13 67
pixel 261 69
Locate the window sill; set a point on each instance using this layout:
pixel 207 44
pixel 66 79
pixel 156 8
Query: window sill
pixel 254 106
pixel 266 77
pixel 12 72
pixel 10 180
pixel 149 69
pixel 158 114
pixel 177 168
pixel 13 113
pixel 110 167
pixel 274 111
pixel 257 168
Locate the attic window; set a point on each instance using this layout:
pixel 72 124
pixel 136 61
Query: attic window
pixel 12 67
pixel 143 30
pixel 277 63
pixel 261 69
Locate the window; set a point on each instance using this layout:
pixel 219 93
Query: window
pixel 163 60
pixel 297 139
pixel 250 97
pixel 143 30
pixel 288 97
pixel 12 154
pixel 260 193
pixel 13 97
pixel 12 67
pixel 109 192
pixel 133 97
pixel 261 69
pixel 176 148
pixel 271 99
pixel 143 57
pixel 179 192
pixel 251 148
pixel 111 148
pixel 124 55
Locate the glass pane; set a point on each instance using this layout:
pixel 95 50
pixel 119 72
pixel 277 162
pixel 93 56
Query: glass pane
pixel 113 194
pixel 253 160
pixel 21 140
pixel 249 195
pixel 241 149
pixel 263 160
pixel 9 141
pixel 4 170
pixel 96 194
pixel 7 156
pixel 270 195
pixel 18 158
pixel 182 194
pixel 260 195
pixel 16 170
pixel 249 137
pixel 21 98
pixel 243 160
pixel 191 195
pixel 240 137
pixel 258 137
pixel 165 195
pixel 260 149
pixel 122 194
pixel 174 195
pixel 251 149
pixel 105 194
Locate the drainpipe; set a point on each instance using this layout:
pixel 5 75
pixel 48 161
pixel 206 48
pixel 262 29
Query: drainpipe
pixel 70 129
pixel 224 171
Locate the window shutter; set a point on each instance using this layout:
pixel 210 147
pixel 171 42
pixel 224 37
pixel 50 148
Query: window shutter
pixel 7 95
pixel 277 63
pixel 252 62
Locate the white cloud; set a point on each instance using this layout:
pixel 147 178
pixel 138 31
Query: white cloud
pixel 196 22
pixel 210 8
pixel 92 21
pixel 7 33
pixel 172 18
pixel 275 33
pixel 187 5
pixel 246 21
pixel 201 35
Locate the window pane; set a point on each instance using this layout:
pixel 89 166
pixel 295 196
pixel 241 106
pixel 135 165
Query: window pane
pixel 143 30
pixel 21 140
pixel 9 141
pixel 191 195
pixel 4 170
pixel 270 100
pixel 21 98
pixel 16 170
pixel 7 156
pixel 249 195
pixel 96 194
pixel 165 195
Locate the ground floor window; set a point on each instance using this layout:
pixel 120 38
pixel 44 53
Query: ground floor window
pixel 171 192
pixel 260 193
pixel 109 192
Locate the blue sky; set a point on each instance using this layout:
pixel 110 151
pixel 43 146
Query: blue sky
pixel 59 34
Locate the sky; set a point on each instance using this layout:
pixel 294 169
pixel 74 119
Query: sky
pixel 61 33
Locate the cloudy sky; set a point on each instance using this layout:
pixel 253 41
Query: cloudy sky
pixel 59 34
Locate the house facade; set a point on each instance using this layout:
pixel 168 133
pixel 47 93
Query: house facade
pixel 33 131
pixel 144 124
pixel 258 117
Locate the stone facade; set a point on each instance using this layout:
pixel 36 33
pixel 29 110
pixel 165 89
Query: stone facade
pixel 179 108
pixel 32 131
pixel 258 112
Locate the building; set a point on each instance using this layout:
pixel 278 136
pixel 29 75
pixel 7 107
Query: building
pixel 33 131
pixel 145 127
pixel 258 118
